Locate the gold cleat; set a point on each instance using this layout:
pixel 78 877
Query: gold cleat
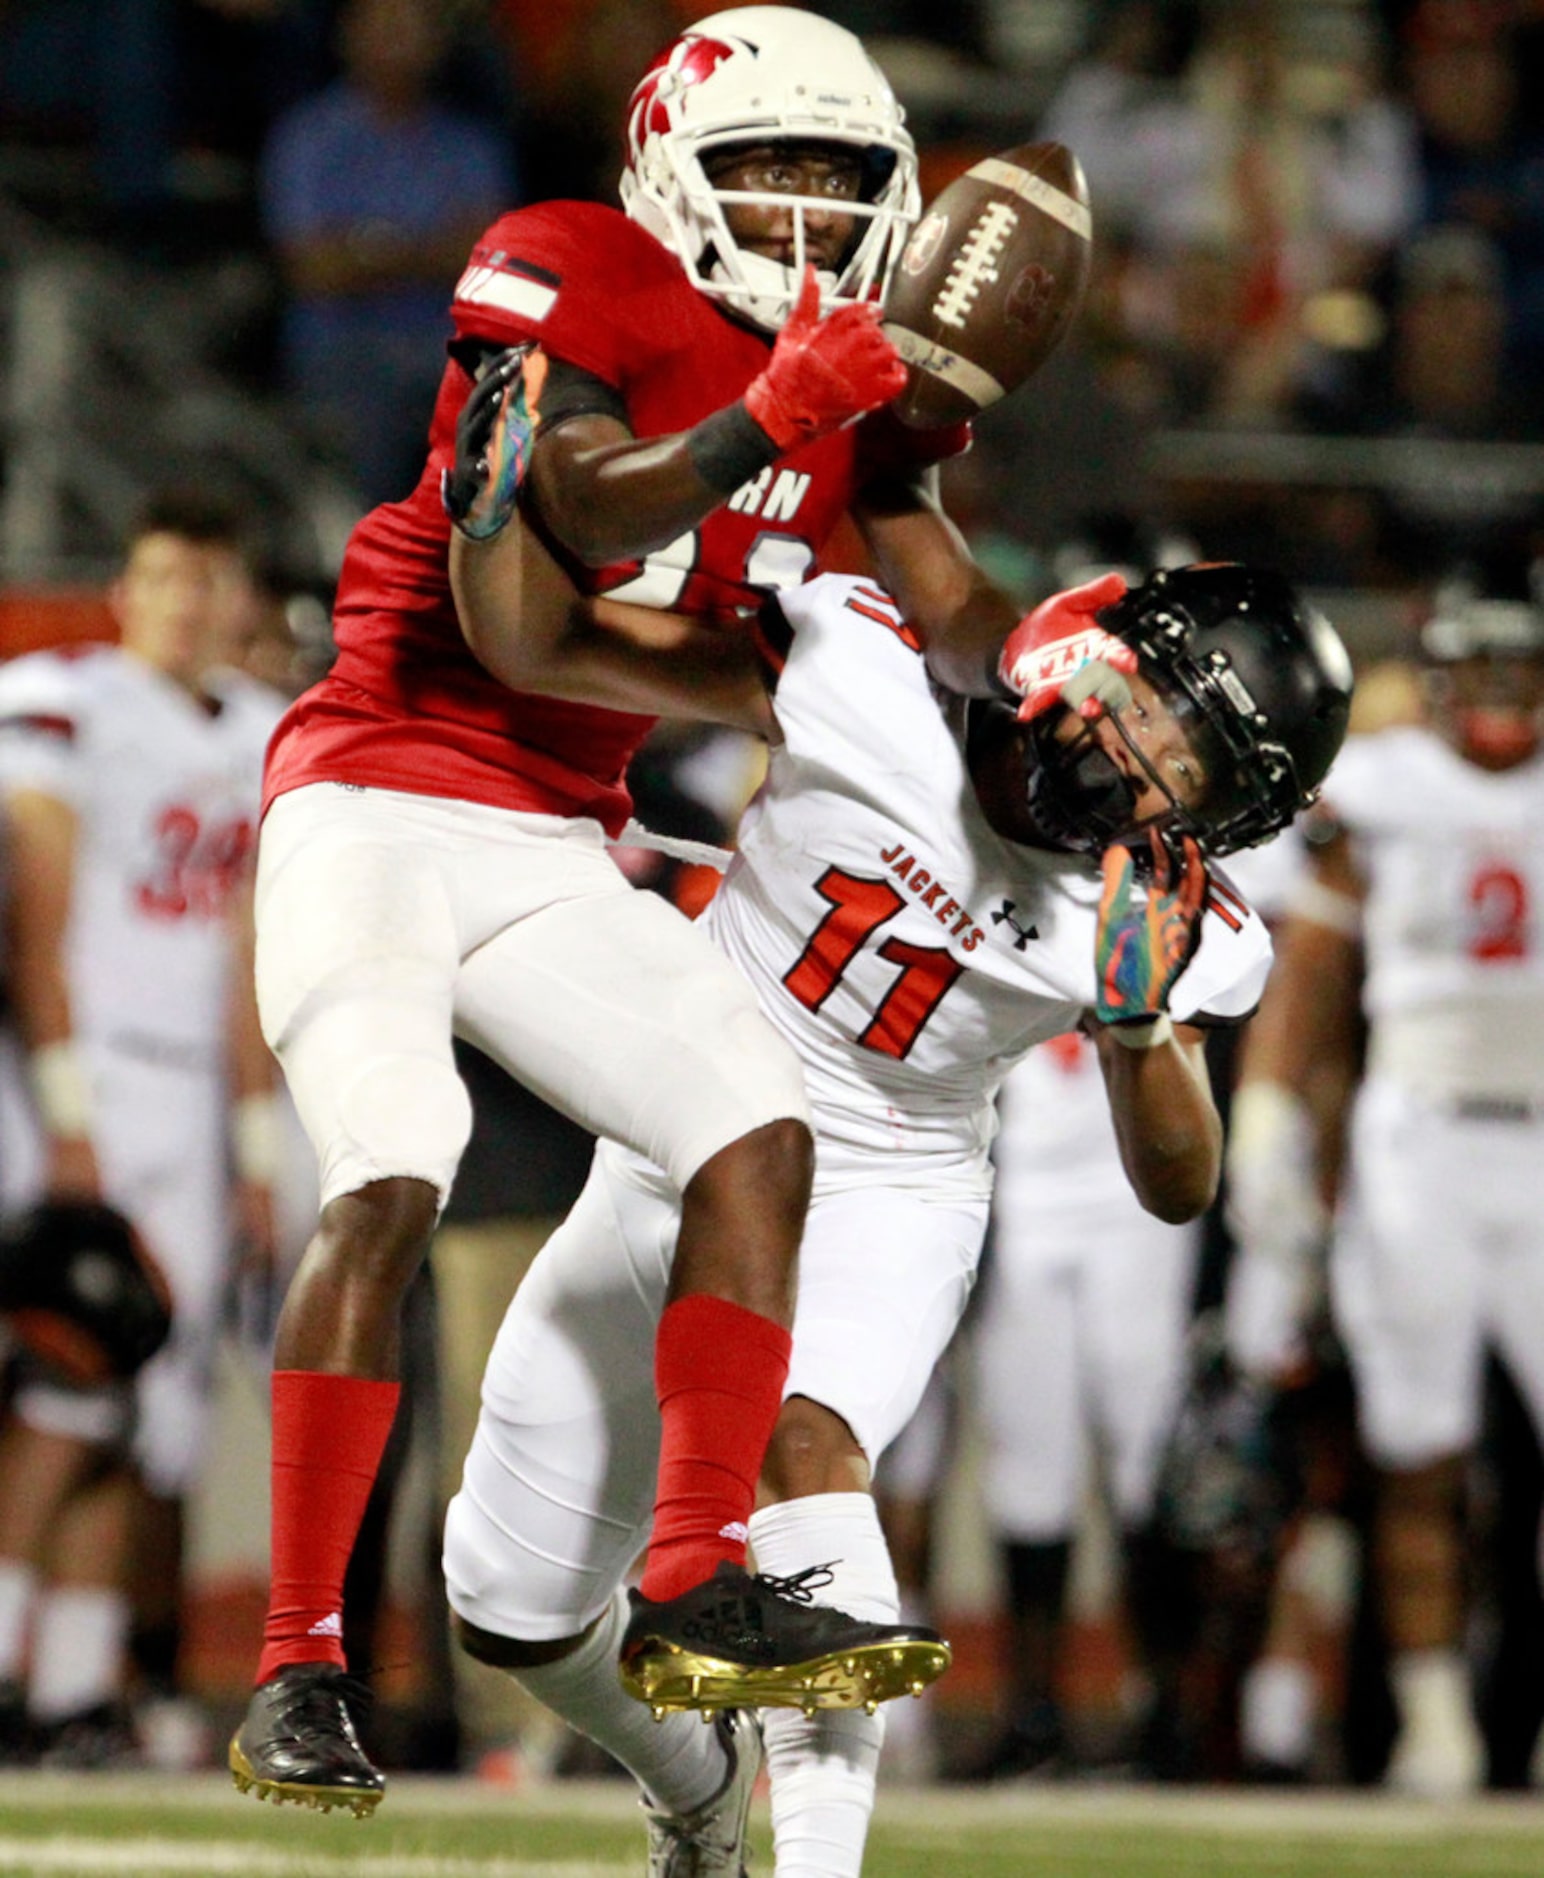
pixel 298 1745
pixel 284 1793
pixel 744 1641
pixel 670 1679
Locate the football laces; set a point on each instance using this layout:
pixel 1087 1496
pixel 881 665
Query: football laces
pixel 975 265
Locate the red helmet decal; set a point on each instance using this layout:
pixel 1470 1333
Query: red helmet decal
pixel 689 60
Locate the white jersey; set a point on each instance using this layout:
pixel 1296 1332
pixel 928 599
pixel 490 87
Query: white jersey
pixel 909 952
pixel 1057 1147
pixel 1453 923
pixel 166 795
pixel 1080 1334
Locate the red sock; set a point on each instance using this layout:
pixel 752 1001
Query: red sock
pixel 328 1436
pixel 719 1371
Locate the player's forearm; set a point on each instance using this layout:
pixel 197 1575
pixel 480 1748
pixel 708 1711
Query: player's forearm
pixel 923 560
pixel 608 496
pixel 962 655
pixel 1307 1018
pixel 41 838
pixel 525 623
pixel 1166 1122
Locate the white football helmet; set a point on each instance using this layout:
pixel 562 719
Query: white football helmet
pixel 760 75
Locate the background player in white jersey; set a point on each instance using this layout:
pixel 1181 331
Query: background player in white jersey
pixel 1419 916
pixel 917 900
pixel 130 777
pixel 1079 1362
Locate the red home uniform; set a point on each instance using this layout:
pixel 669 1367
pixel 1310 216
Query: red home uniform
pixel 407 706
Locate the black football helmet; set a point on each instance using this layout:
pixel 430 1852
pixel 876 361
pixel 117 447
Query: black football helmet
pixel 81 1291
pixel 1259 679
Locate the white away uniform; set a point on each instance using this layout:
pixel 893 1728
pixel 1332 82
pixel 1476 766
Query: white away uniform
pixel 1439 1246
pixel 165 795
pixel 910 955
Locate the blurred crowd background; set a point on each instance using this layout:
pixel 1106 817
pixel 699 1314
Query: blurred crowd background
pixel 1314 338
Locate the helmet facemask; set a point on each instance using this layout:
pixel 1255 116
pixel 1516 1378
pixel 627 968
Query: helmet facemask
pixel 1080 797
pixel 740 81
pixel 1077 797
pixel 1252 790
pixel 1258 682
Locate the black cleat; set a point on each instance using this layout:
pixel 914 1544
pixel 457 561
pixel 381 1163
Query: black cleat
pixel 1033 1743
pixel 18 1738
pixel 298 1742
pixel 739 1641
pixel 95 1738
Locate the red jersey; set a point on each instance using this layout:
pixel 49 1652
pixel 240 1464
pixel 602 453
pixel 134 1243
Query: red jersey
pixel 406 705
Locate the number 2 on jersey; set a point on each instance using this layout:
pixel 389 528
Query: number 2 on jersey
pixel 1498 900
pixel 858 909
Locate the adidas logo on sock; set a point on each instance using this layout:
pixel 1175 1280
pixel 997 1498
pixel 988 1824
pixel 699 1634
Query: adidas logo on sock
pixel 737 1530
pixel 329 1626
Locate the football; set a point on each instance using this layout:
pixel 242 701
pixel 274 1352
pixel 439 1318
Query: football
pixel 989 282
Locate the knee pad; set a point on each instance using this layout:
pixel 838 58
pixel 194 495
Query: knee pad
pixel 398 1115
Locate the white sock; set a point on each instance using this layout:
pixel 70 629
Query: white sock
pixel 1431 1689
pixel 678 1762
pixel 912 1608
pixel 18 1587
pixel 1439 1752
pixel 78 1639
pixel 823 1766
pixel 1276 1712
pixel 910 1750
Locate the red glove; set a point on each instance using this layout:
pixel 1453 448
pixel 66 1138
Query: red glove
pixel 823 372
pixel 1058 655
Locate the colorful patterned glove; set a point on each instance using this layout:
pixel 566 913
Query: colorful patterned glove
pixel 493 442
pixel 1058 654
pixel 823 372
pixel 1141 947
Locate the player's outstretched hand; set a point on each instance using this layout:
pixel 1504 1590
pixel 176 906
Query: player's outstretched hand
pixel 1142 945
pixel 1060 654
pixel 493 442
pixel 823 372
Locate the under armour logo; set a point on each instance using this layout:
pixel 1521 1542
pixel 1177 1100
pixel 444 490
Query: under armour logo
pixel 1021 934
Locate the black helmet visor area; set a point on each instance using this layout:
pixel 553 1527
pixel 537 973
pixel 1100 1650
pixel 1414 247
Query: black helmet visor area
pixel 1076 795
pixel 1079 799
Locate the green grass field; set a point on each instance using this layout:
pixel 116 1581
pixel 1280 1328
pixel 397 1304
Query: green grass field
pixel 132 1827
